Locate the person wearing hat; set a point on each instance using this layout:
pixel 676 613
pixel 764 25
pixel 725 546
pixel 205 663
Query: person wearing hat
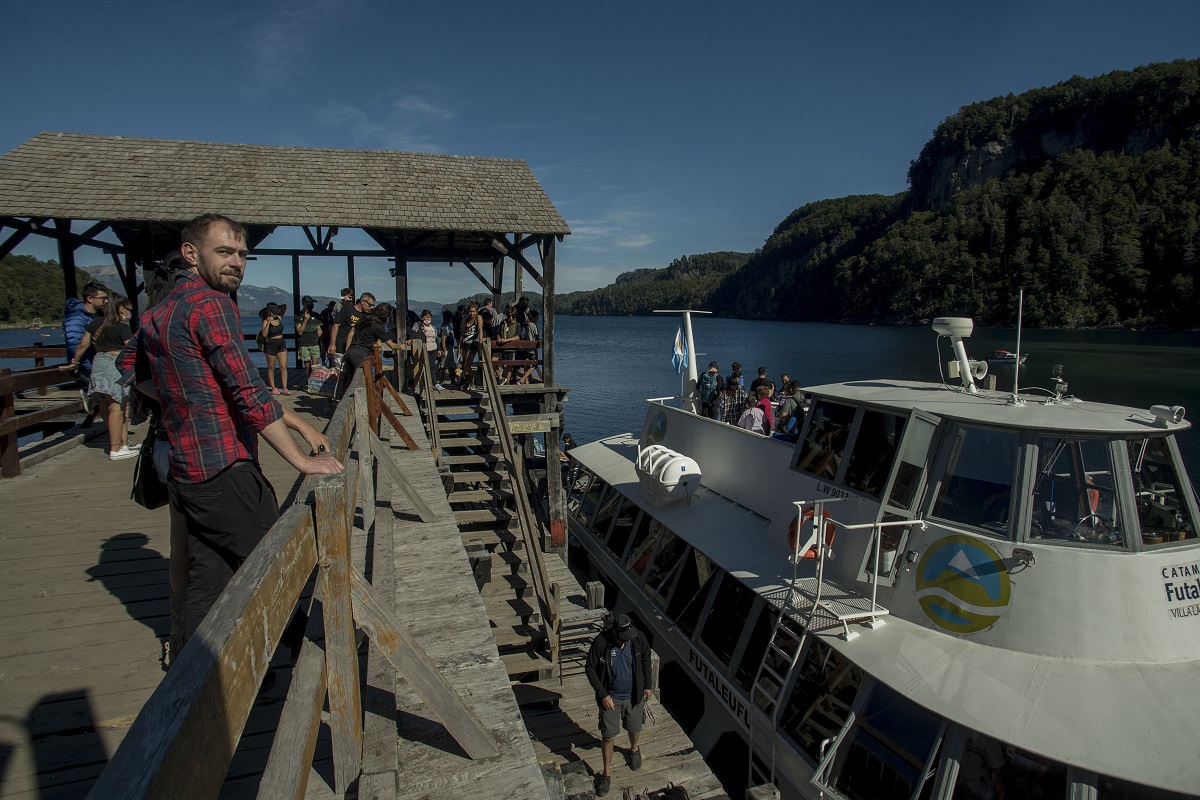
pixel 618 668
pixel 308 335
pixel 708 388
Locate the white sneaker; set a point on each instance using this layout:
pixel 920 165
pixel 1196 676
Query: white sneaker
pixel 438 387
pixel 124 452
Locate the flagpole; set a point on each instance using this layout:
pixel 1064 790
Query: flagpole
pixel 687 396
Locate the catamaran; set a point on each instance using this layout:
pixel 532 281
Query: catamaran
pixel 939 590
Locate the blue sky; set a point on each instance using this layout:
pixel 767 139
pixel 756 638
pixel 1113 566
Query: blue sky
pixel 657 129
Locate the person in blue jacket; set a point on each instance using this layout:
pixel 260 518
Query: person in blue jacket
pixel 76 317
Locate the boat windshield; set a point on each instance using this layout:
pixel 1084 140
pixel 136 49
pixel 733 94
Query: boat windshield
pixel 977 487
pixel 1075 495
pixel 1164 513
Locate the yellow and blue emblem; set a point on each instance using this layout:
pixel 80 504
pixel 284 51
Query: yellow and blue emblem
pixel 962 584
pixel 656 429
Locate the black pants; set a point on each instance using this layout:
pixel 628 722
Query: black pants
pixel 227 516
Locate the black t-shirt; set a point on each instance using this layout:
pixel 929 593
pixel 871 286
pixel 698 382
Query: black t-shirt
pixel 310 336
pixel 368 336
pixel 114 338
pixel 345 323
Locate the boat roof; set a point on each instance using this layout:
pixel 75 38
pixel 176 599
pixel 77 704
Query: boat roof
pixel 993 408
pixel 1037 702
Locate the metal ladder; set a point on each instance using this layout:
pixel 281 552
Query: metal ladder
pixel 783 650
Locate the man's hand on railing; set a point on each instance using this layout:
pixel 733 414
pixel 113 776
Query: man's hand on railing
pixel 324 464
pixel 70 367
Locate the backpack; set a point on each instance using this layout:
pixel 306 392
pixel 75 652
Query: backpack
pixel 668 792
pixel 708 387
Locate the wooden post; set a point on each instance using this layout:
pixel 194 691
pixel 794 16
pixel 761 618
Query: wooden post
pixel 295 302
pixel 372 396
pixel 333 510
pixel 556 506
pixel 350 276
pixel 547 248
pixel 38 363
pixel 10 457
pixel 66 257
pixel 366 459
pixel 401 287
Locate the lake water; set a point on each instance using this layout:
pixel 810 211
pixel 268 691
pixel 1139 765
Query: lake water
pixel 613 364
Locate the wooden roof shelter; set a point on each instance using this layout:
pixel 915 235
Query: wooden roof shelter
pixel 417 207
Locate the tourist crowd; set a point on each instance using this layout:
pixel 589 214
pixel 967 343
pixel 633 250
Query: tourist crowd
pixel 764 407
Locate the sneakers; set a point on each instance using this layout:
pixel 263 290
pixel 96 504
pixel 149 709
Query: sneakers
pixel 124 452
pixel 635 760
pixel 437 387
pixel 603 784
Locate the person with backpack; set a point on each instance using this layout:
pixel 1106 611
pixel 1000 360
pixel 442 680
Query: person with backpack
pixel 708 387
pixel 618 668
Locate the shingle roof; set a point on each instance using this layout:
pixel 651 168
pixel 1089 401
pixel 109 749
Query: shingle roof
pixel 80 176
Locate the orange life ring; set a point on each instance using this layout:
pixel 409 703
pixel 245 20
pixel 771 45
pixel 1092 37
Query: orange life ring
pixel 830 530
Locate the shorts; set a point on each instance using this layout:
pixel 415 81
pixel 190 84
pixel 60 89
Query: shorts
pixel 274 347
pixel 106 378
pixel 624 712
pixel 309 353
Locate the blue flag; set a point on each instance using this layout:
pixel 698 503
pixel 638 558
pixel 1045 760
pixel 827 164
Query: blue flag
pixel 680 359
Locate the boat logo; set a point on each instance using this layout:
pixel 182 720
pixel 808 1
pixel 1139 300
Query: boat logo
pixel 656 429
pixel 962 585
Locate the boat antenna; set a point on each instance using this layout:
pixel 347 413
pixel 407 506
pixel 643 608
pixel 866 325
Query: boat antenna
pixel 1016 396
pixel 687 381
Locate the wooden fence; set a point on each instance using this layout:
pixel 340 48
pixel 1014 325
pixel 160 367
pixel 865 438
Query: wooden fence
pixel 15 382
pixel 181 743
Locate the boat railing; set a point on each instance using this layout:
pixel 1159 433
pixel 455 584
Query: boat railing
pixel 182 742
pixel 821 540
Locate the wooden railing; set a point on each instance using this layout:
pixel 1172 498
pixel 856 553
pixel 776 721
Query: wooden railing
pixel 40 378
pixel 181 744
pixel 527 345
pixel 546 597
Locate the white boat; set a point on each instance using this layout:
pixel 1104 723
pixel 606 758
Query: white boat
pixel 1001 597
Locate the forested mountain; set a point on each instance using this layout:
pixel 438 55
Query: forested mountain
pixel 31 288
pixel 1086 194
pixel 686 282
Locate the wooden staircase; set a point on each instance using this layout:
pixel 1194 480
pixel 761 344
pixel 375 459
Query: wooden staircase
pixel 481 494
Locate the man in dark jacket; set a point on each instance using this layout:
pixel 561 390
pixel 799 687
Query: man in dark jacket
pixel 618 667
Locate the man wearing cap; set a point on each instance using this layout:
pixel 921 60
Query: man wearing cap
pixel 708 388
pixel 618 667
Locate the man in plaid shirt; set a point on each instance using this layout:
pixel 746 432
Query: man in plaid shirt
pixel 215 406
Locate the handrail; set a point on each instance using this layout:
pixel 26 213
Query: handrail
pixel 435 436
pixel 525 516
pixel 11 383
pixel 181 743
pixel 531 345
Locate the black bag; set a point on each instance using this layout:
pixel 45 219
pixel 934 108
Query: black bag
pixel 148 491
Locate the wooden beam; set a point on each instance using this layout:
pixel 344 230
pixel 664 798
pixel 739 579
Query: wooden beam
pixel 384 458
pixel 350 274
pixel 66 257
pixel 524 262
pixel 181 743
pixel 411 661
pixel 9 244
pixel 366 459
pixel 382 378
pixel 401 286
pixel 397 427
pixel 479 275
pixel 547 253
pixel 295 293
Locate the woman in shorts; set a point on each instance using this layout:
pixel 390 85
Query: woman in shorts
pixel 274 346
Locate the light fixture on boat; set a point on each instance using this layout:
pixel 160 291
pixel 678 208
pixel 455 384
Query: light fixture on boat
pixel 665 475
pixel 959 328
pixel 1168 415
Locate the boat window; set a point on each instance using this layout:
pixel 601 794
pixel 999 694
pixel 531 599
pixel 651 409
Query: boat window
pixel 989 769
pixel 828 429
pixel 888 747
pixel 591 499
pixel 604 515
pixel 727 619
pixel 1117 789
pixel 578 487
pixel 891 539
pixel 912 462
pixel 641 554
pixel 1075 493
pixel 821 698
pixel 756 646
pixel 977 487
pixel 874 452
pixel 668 554
pixel 1162 508
pixel 696 576
pixel 624 526
pixel 779 659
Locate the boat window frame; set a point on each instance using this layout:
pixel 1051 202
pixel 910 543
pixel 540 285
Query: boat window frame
pixel 577 496
pixel 1190 499
pixel 1123 490
pixel 916 418
pixel 833 762
pixel 612 490
pixel 855 422
pixel 938 469
pixel 702 623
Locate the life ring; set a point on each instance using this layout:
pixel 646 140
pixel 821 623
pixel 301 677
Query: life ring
pixel 807 514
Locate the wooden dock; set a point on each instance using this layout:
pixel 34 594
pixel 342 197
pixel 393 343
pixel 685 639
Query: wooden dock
pixel 88 606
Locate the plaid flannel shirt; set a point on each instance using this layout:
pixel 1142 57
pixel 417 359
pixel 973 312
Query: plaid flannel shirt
pixel 213 399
